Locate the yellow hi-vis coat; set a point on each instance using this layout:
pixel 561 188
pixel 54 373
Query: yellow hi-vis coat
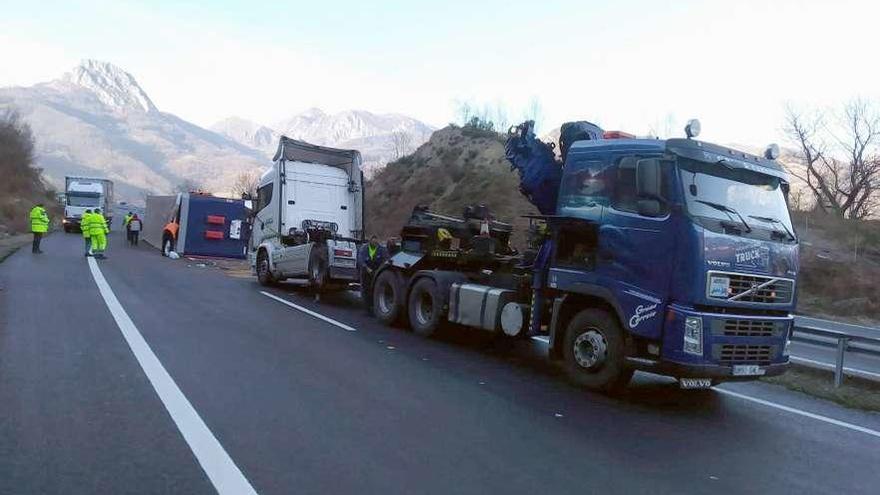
pixel 39 220
pixel 84 224
pixel 98 229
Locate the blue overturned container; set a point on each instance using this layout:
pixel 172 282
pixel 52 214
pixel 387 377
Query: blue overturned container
pixel 213 226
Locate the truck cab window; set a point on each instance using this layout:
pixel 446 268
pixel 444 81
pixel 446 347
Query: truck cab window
pixel 264 197
pixel 624 197
pixel 586 184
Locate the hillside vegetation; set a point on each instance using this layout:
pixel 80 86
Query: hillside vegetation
pixel 455 168
pixel 22 185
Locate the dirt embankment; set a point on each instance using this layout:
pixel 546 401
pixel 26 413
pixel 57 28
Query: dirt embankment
pixel 455 168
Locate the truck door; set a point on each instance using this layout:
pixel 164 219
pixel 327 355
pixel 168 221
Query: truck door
pixel 636 246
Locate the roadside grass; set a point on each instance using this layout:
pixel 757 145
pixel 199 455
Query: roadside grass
pixel 9 245
pixel 856 393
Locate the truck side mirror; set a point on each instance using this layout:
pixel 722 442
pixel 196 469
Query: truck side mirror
pixel 648 179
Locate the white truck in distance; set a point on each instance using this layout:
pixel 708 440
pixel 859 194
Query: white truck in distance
pixel 86 193
pixel 309 216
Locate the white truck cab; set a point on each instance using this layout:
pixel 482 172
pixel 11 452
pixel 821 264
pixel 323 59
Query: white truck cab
pixel 309 216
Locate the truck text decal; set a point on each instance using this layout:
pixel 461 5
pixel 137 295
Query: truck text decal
pixel 642 313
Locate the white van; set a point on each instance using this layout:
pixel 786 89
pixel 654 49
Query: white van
pixel 309 216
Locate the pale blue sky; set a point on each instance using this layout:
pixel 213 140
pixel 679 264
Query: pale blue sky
pixel 629 65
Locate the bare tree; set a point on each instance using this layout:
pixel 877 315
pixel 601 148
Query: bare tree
pixel 464 111
pixel 246 183
pixel 534 111
pixel 402 142
pixel 839 161
pixel 499 116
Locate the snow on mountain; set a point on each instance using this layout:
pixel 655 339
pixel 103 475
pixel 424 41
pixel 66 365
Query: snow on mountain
pixel 96 120
pixel 379 137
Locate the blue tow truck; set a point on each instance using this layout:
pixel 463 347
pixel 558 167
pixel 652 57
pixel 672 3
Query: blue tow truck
pixel 676 257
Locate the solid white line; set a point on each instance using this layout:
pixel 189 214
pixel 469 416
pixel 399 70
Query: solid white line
pixel 221 470
pixel 830 366
pixel 792 410
pixel 309 312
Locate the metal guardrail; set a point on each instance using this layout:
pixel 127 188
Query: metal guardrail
pixel 844 342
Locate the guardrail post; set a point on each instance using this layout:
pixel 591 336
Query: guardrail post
pixel 838 369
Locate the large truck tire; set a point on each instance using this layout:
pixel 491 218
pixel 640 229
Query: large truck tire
pixel 425 308
pixel 318 276
pixel 389 304
pixel 595 352
pixel 264 274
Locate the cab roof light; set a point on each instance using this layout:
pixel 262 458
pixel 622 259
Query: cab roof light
pixel 617 135
pixel 692 129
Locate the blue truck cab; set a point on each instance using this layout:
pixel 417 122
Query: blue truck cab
pixel 689 246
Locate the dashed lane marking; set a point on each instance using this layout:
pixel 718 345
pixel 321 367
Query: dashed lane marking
pixel 309 311
pixel 226 477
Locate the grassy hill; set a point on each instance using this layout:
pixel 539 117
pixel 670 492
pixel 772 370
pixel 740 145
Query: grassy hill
pixel 22 185
pixel 455 168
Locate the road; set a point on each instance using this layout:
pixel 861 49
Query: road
pixel 139 374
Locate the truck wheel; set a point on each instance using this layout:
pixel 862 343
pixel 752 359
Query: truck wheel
pixel 318 268
pixel 425 311
pixel 264 274
pixel 388 298
pixel 595 351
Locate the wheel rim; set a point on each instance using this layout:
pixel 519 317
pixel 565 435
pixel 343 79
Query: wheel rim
pixel 425 308
pixel 386 296
pixel 263 267
pixel 590 349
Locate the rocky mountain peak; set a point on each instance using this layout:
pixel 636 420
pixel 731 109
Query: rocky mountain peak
pixel 112 85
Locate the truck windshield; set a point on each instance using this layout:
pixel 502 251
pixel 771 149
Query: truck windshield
pixel 718 196
pixel 84 201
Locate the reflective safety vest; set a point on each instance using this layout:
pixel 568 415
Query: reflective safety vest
pixel 84 224
pixel 98 224
pixel 126 220
pixel 39 220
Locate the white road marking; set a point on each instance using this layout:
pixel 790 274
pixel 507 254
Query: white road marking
pixel 226 477
pixel 309 312
pixel 852 371
pixel 774 405
pixel 792 410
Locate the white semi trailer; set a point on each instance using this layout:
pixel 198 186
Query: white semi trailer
pixel 309 216
pixel 86 193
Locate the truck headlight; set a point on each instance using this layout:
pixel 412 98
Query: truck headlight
pixel 693 335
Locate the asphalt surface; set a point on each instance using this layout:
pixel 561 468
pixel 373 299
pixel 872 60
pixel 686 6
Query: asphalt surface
pixel 303 406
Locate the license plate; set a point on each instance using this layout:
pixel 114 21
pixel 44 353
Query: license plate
pixel 695 382
pixel 747 370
